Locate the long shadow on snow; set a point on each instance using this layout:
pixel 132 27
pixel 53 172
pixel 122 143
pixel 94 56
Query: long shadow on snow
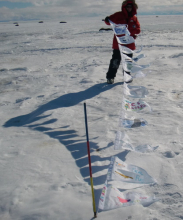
pixel 69 138
pixel 78 150
pixel 66 100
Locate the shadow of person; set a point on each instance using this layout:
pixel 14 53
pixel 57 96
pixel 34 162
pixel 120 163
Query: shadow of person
pixel 68 137
pixel 66 100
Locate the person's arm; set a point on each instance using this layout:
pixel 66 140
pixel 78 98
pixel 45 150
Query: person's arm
pixel 107 20
pixel 135 27
pixel 114 18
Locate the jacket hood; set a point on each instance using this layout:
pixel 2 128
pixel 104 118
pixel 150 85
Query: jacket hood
pixel 134 8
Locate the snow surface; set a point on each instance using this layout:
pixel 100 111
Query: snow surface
pixel 47 72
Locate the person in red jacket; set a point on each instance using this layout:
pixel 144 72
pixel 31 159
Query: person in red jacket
pixel 127 16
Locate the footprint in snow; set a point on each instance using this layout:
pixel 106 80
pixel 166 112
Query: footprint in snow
pixel 22 99
pixel 175 95
pixel 170 154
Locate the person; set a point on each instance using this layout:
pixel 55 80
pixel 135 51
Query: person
pixel 127 16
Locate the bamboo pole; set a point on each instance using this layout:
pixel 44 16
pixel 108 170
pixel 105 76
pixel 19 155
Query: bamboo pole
pixel 89 162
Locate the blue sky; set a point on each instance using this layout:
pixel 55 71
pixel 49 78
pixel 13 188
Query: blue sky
pixel 12 10
pixel 13 5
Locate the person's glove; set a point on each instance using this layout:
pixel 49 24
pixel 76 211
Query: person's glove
pixel 134 36
pixel 107 19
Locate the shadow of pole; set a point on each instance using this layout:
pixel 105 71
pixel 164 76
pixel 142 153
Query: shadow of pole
pixel 69 138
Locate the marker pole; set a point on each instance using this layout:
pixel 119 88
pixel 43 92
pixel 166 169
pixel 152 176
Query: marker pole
pixel 89 161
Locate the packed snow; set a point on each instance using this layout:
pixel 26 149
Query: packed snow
pixel 47 71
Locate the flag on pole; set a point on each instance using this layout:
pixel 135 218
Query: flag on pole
pixel 127 62
pixel 139 74
pixel 123 142
pixel 132 122
pixel 135 91
pixel 130 66
pixel 139 50
pixel 126 39
pixel 125 50
pixel 135 106
pixel 136 68
pixel 127 77
pixel 128 117
pixel 121 171
pixel 112 198
pixel 136 59
pixel 121 29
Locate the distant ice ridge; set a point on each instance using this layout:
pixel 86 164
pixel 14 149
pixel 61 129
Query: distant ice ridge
pixel 14 69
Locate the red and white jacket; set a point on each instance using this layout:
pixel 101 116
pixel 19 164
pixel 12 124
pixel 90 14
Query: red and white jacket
pixel 122 17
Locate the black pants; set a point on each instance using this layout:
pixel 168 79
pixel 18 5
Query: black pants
pixel 114 64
